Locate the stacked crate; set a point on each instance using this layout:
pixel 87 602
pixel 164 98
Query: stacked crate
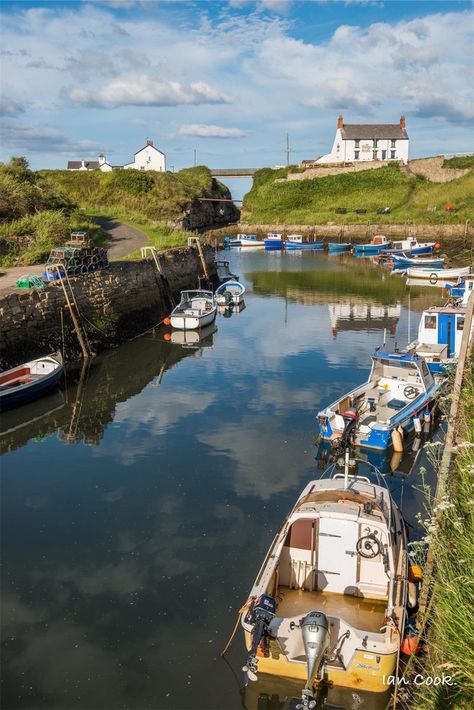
pixel 78 257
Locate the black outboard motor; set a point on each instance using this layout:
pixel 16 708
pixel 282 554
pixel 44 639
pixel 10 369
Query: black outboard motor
pixel 259 615
pixel 350 417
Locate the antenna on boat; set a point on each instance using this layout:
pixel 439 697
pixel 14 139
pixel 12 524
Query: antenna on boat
pixel 346 467
pixel 384 337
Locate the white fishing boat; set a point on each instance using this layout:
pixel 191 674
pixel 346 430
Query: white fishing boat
pixel 435 275
pixel 402 260
pixel 328 605
pixel 410 247
pixel 246 240
pixel 399 387
pixel 196 309
pixel 230 293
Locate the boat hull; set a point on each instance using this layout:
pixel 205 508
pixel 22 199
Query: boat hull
pixel 185 322
pixel 434 275
pixel 368 248
pixel 363 673
pixel 339 247
pixel 303 245
pixel 29 392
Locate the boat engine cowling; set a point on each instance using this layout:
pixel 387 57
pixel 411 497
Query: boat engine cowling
pixel 315 631
pixel 350 417
pixel 259 615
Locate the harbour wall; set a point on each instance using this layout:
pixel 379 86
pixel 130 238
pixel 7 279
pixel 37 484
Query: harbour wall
pixel 115 305
pixel 439 232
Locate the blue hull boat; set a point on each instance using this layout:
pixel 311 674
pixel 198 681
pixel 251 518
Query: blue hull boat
pixel 376 246
pixel 30 381
pixel 400 388
pixel 274 240
pixel 332 246
pixel 403 260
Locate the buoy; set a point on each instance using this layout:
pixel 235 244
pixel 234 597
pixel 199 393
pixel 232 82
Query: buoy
pixel 417 424
pixel 410 644
pixel 397 441
pixel 415 573
pixel 395 460
pixel 167 337
pixel 427 416
pixel 437 246
pixel 167 320
pixel 433 278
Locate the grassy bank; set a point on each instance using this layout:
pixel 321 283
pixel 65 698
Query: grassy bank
pixel 449 647
pixel 273 200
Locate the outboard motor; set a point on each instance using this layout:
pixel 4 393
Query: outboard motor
pixel 350 417
pixel 259 615
pixel 315 631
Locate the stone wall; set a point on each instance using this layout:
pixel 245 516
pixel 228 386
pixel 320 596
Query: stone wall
pixel 439 232
pixel 115 305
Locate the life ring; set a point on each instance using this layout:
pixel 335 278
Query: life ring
pixel 433 278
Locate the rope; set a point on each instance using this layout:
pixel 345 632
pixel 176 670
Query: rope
pixel 242 609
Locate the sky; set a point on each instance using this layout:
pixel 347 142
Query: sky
pixel 227 81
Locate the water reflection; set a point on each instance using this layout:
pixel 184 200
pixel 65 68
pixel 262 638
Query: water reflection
pixel 137 509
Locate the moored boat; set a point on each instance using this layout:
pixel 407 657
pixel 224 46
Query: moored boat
pixel 434 275
pixel 29 381
pixel 403 260
pixel 399 387
pixel 196 309
pixel 274 240
pixel 230 293
pixel 462 288
pixel 342 246
pixel 378 243
pixel 410 247
pixel 295 241
pixel 246 240
pixel 328 605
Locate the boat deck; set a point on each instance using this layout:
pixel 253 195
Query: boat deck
pixel 366 614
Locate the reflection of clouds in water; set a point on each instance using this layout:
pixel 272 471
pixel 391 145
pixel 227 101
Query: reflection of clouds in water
pixel 144 419
pixel 268 460
pixel 113 496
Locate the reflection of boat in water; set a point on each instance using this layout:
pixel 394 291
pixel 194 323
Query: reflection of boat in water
pixel 328 604
pixel 26 416
pixel 229 311
pixel 274 693
pixel 201 338
pixel 399 387
pixel 30 380
pixel 358 315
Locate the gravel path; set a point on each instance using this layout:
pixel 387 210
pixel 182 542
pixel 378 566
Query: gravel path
pixel 124 240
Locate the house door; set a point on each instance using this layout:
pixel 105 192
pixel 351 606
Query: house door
pixel 384 155
pixel 447 331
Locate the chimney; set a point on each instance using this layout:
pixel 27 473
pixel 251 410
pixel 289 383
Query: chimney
pixel 149 141
pixel 340 122
pixel 101 159
pixel 402 121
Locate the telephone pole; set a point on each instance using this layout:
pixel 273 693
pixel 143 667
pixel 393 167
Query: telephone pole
pixel 287 149
pixel 195 152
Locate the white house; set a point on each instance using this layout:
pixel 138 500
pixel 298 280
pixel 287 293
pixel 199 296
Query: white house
pixel 148 158
pixel 358 142
pixel 99 164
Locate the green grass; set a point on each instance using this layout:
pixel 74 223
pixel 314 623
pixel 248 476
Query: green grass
pixel 450 636
pixel 314 201
pixel 463 161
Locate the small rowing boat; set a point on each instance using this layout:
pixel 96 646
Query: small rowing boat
pixel 230 293
pixel 334 246
pixel 29 381
pixel 435 275
pixel 196 309
pixel 403 260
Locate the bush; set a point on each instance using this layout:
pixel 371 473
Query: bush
pixel 463 161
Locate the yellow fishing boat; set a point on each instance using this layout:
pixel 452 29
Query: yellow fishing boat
pixel 328 605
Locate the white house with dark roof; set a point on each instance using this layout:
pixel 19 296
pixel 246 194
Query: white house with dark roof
pixel 99 164
pixel 359 142
pixel 148 158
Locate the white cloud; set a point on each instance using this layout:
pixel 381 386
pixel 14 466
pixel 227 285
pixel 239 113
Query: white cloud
pixel 210 131
pixel 10 108
pixel 20 137
pixel 144 90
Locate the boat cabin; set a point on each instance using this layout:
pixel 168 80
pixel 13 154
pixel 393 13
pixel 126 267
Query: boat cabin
pixel 440 332
pixel 295 238
pixel 468 289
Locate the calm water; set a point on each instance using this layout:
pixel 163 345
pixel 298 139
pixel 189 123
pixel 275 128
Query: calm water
pixel 137 506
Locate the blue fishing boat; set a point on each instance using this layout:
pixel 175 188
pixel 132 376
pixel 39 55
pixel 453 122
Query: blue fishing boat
pixel 399 388
pixel 274 240
pixel 403 260
pixel 462 288
pixel 295 241
pixel 410 247
pixel 378 243
pixel 335 247
pixel 30 381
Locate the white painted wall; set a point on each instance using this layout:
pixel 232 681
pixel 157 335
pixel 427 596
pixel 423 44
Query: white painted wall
pixel 350 151
pixel 148 158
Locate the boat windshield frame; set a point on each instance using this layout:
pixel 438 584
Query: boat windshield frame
pixel 195 293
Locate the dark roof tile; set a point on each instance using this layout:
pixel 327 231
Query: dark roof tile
pixel 367 131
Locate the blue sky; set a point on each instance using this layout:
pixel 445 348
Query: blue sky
pixel 229 80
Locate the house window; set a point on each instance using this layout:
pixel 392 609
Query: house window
pixel 142 167
pixel 460 323
pixel 384 155
pixel 356 154
pixel 392 143
pixel 374 154
pixel 392 155
pixel 430 322
pixel 376 143
pixel 357 144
